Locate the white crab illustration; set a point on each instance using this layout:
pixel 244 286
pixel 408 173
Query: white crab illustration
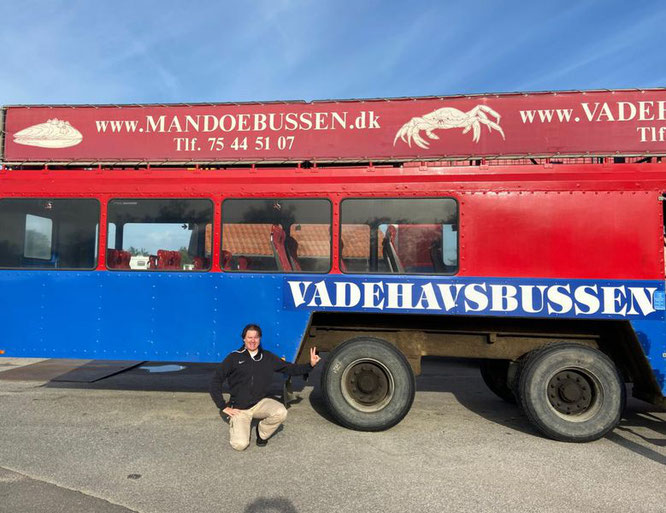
pixel 445 118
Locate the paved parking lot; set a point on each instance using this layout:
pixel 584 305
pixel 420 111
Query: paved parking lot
pixel 153 442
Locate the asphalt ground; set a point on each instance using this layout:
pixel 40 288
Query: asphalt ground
pixel 143 441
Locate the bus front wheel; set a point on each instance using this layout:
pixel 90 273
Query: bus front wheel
pixel 571 393
pixel 368 384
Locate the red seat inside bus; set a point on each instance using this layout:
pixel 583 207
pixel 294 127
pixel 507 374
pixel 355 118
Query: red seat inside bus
pixel 343 266
pixel 118 259
pixel 226 259
pixel 168 259
pixel 390 253
pixel 278 238
pixel 291 245
pixel 415 243
pixel 243 263
pixel 231 263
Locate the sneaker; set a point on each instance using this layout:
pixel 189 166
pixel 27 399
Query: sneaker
pixel 260 441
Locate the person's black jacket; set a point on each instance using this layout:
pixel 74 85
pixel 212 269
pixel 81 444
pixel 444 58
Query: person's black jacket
pixel 249 378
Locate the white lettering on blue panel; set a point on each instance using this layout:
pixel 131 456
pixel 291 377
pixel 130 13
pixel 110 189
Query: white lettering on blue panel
pixel 473 296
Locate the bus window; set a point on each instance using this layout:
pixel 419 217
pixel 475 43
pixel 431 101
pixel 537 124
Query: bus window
pixel 283 235
pixel 48 233
pixel 399 236
pixel 159 234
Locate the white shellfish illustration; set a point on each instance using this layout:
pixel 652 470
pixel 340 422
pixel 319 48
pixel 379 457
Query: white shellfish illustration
pixel 54 133
pixel 445 118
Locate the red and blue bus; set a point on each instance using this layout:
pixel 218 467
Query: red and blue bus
pixel 524 230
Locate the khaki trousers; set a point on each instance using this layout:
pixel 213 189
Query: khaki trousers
pixel 271 413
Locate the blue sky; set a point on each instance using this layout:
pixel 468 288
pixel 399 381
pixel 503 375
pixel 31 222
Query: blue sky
pixel 166 51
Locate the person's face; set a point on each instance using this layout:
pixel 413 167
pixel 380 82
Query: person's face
pixel 252 340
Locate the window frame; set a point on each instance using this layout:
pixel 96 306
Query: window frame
pixel 212 234
pixel 53 198
pixel 405 198
pixel 278 198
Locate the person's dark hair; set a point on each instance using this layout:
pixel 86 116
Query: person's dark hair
pixel 253 327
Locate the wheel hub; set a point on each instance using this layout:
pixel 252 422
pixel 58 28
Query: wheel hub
pixel 570 392
pixel 367 383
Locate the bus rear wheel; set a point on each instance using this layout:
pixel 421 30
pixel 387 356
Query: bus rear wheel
pixel 571 393
pixel 368 384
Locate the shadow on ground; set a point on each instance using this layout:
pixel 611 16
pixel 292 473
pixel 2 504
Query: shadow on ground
pixel 271 505
pixel 639 430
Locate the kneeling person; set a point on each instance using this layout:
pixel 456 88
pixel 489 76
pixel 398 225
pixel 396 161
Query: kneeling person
pixel 249 371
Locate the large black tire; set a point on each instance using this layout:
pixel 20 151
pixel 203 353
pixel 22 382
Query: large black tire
pixel 367 384
pixel 495 374
pixel 571 393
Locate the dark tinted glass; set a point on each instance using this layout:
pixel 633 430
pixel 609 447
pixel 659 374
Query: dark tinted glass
pixel 276 235
pixel 159 234
pixel 399 236
pixel 48 233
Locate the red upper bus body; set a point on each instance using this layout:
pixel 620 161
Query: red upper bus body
pixel 594 221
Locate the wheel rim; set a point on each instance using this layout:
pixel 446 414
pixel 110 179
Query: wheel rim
pixel 574 393
pixel 367 385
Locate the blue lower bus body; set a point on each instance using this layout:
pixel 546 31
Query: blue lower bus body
pixel 198 317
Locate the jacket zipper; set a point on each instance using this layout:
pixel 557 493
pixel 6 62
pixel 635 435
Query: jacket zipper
pixel 252 377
